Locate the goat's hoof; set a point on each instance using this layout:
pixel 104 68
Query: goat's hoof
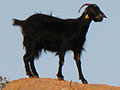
pixel 84 82
pixel 60 78
pixel 28 74
pixel 34 76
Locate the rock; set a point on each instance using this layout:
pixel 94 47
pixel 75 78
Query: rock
pixel 53 84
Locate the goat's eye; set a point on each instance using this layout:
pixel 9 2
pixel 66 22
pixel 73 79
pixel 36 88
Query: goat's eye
pixel 96 10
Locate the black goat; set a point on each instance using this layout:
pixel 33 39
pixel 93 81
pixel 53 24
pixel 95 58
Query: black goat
pixel 44 32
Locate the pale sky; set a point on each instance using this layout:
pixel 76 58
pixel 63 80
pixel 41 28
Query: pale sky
pixel 100 61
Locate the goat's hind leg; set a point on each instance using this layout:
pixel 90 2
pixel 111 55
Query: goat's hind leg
pixel 35 74
pixel 27 66
pixel 61 62
pixel 78 63
pixel 34 54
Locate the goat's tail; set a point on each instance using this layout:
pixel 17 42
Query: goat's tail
pixel 17 22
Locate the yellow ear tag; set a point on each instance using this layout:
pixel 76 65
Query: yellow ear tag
pixel 87 16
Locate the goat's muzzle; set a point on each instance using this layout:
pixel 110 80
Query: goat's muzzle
pixel 100 17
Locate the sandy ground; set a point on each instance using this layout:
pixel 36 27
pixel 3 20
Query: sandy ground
pixel 53 84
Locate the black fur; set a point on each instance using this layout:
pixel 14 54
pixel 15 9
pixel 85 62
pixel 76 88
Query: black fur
pixel 44 32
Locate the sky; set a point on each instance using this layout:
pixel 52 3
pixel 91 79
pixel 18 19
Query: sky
pixel 100 61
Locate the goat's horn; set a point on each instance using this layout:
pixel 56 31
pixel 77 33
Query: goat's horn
pixel 86 4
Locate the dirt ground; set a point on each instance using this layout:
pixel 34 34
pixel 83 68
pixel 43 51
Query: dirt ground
pixel 53 84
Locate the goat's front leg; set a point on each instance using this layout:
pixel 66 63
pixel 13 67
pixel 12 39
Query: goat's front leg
pixel 78 63
pixel 61 62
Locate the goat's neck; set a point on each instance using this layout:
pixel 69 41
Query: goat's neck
pixel 84 22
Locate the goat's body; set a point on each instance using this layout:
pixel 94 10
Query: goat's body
pixel 53 34
pixel 44 32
